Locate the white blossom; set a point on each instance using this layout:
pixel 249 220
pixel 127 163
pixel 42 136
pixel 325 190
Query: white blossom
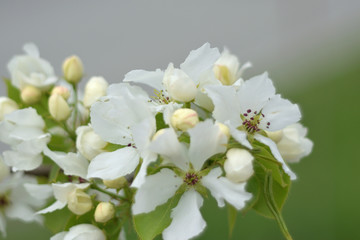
pixel 94 89
pixel 81 231
pixel 7 106
pixel 88 143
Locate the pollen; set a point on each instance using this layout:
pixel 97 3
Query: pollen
pixel 251 121
pixel 191 179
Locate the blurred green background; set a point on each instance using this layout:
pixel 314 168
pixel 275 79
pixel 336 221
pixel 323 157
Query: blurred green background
pixel 313 60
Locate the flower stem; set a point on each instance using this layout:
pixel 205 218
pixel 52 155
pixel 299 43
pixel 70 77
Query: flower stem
pixel 75 105
pixel 113 195
pixel 270 201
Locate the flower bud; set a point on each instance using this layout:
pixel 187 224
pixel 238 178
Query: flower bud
pixel 73 69
pixel 7 106
pixel 224 129
pixel 117 183
pixel 275 136
pixel 79 202
pixel 62 91
pixel 104 212
pixel 238 165
pixel 88 142
pixel 179 85
pixel 184 119
pixel 226 68
pixel 58 107
pixel 30 94
pixel 294 145
pixel 95 88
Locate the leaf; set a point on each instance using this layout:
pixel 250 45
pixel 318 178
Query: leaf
pixel 57 220
pixel 12 92
pixel 160 123
pixel 110 147
pixel 61 143
pixel 232 214
pixel 149 225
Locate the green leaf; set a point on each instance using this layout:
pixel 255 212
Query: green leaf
pixel 149 225
pixel 232 214
pixel 12 92
pixel 110 147
pixel 56 221
pixel 160 124
pixel 61 143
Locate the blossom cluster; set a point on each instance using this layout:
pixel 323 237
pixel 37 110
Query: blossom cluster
pixel 118 161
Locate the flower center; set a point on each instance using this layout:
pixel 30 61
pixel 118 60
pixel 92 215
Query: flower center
pixel 160 97
pixel 4 201
pixel 191 179
pixel 251 121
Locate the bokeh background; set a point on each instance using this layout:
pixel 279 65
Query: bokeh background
pixel 310 48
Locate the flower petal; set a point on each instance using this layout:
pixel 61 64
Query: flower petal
pixel 276 153
pixel 71 163
pixel 187 220
pixel 168 145
pixel 59 236
pixel 85 231
pixel 199 61
pixel 53 207
pixel 39 191
pixel 150 78
pixel 223 189
pixel 31 49
pixel 227 106
pixel 125 89
pixel 22 161
pixel 156 190
pixel 280 113
pixel 3 225
pixel 239 136
pixel 255 92
pixel 111 165
pixel 206 140
pixel 140 177
pixel 62 190
pixel 22 212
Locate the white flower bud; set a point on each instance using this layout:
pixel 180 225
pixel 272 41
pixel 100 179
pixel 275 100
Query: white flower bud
pixel 238 165
pixel 62 91
pixel 30 94
pixel 184 119
pixel 275 136
pixel 7 106
pixel 294 145
pixel 88 142
pixel 58 107
pixel 79 202
pixel 117 183
pixel 73 69
pixel 95 88
pixel 226 68
pixel 104 212
pixel 224 129
pixel 4 170
pixel 179 85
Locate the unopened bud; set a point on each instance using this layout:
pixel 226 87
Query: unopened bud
pixel 157 134
pixel 7 106
pixel 73 69
pixel 238 165
pixel 79 202
pixel 95 88
pixel 179 85
pixel 117 183
pixel 226 68
pixel 62 91
pixel 58 107
pixel 104 212
pixel 88 142
pixel 275 136
pixel 223 129
pixel 30 95
pixel 184 119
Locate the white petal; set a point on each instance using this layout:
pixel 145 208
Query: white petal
pixel 26 117
pixel 206 140
pixel 143 132
pixel 226 104
pixel 199 61
pixel 39 191
pixel 59 236
pixel 53 207
pixel 276 153
pixel 280 113
pixel 255 92
pixel 150 78
pixel 84 232
pixel 156 190
pixel 62 190
pixel 125 89
pixel 223 189
pixel 22 161
pixel 3 225
pixel 34 145
pixel 140 177
pixel 111 165
pixel 239 136
pixel 31 49
pixel 22 212
pixel 187 220
pixel 168 145
pixel 71 163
